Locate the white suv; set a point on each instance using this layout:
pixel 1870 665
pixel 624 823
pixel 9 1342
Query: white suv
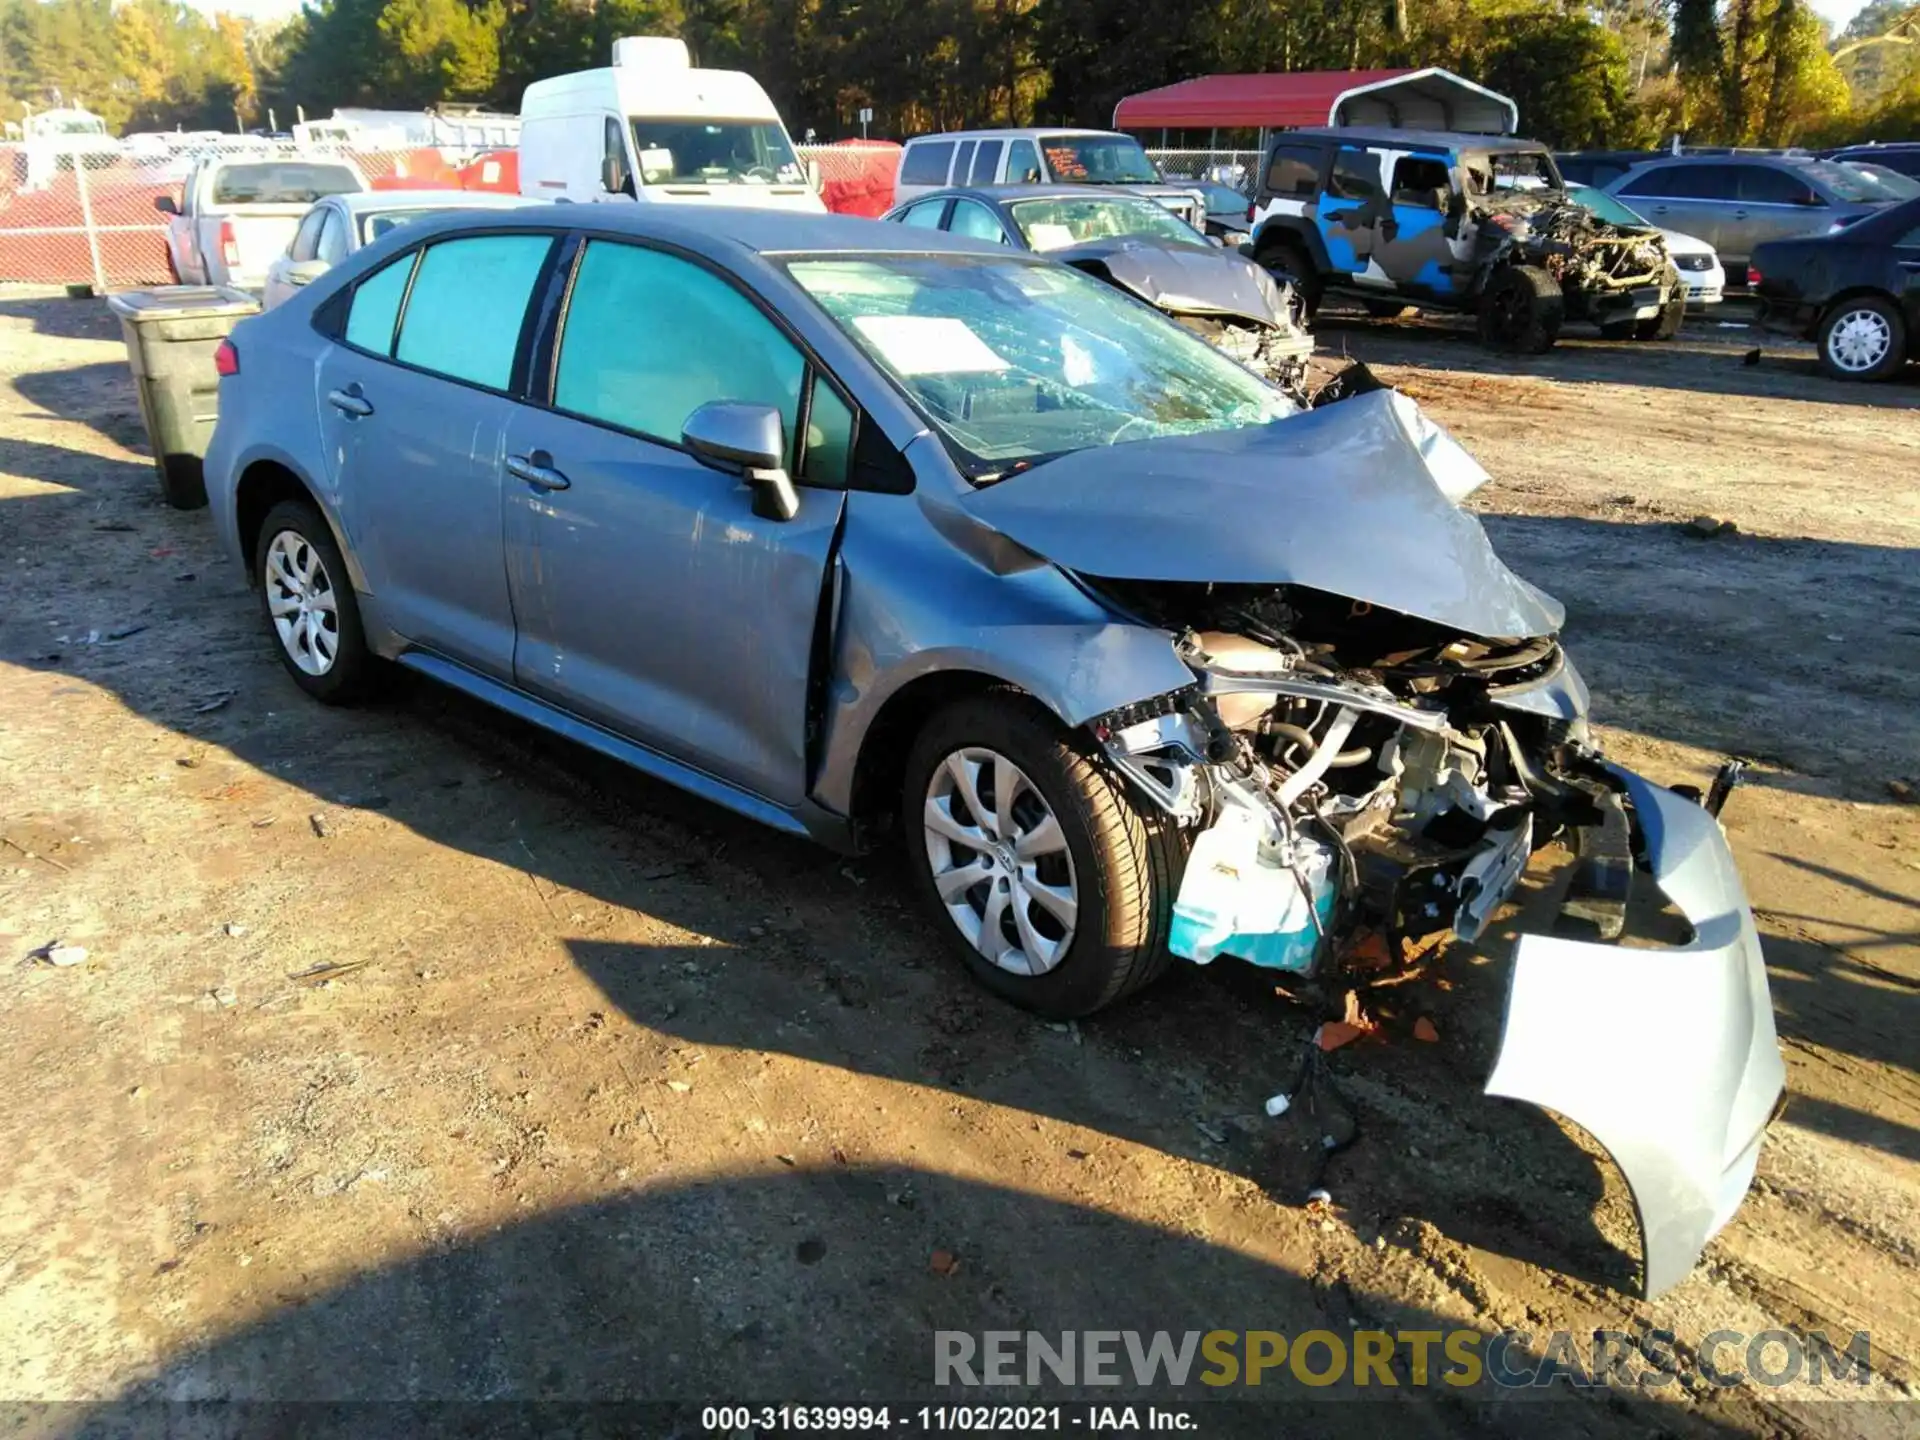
pixel 1039 157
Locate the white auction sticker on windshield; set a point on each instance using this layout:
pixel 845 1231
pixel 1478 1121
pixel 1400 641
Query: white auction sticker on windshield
pixel 928 344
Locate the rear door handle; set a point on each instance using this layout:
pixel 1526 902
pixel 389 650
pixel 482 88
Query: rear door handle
pixel 536 469
pixel 350 402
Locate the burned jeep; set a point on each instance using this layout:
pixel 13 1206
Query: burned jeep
pixel 1470 223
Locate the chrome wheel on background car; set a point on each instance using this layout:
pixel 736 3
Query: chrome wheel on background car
pixel 999 861
pixel 302 602
pixel 1861 341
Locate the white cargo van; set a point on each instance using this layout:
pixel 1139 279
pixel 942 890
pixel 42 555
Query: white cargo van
pixel 650 127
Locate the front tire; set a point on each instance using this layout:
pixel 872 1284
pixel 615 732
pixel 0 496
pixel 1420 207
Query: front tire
pixel 1521 310
pixel 309 605
pixel 1037 865
pixel 1864 338
pixel 1673 313
pixel 1287 259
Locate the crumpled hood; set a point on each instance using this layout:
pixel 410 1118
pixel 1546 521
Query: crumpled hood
pixel 1347 499
pixel 1185 279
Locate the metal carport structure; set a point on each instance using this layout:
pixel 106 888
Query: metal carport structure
pixel 1426 99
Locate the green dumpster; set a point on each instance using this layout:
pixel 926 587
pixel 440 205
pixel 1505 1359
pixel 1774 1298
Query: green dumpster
pixel 171 333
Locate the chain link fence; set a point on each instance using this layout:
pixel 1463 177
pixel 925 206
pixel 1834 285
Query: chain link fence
pixel 89 217
pixel 1235 168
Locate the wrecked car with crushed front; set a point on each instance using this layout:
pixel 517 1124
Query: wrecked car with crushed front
pixel 871 530
pixel 1475 223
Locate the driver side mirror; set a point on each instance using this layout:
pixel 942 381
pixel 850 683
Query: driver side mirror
pixel 305 272
pixel 612 178
pixel 166 205
pixel 749 441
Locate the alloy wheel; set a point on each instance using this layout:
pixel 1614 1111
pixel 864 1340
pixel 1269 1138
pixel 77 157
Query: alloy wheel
pixel 302 603
pixel 1859 341
pixel 1000 862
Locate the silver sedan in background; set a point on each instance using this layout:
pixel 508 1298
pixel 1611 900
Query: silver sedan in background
pixel 338 225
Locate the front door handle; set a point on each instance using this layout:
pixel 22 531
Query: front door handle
pixel 350 402
pixel 537 470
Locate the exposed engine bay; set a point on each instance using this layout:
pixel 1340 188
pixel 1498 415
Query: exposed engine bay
pixel 1348 770
pixel 1550 229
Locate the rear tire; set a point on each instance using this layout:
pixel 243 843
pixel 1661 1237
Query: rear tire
pixel 1287 259
pixel 1521 310
pixel 310 608
pixel 1864 338
pixel 1119 862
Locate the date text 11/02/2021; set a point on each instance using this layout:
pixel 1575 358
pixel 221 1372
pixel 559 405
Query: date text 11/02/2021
pixel 976 1419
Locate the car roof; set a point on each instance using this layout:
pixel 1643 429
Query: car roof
pixel 1015 130
pixel 1730 157
pixel 360 202
pixel 1439 139
pixel 712 228
pixel 1007 194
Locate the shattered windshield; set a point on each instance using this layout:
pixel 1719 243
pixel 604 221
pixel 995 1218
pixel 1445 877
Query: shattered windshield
pixel 1056 223
pixel 714 152
pixel 1846 183
pixel 1887 184
pixel 1016 361
pixel 1098 160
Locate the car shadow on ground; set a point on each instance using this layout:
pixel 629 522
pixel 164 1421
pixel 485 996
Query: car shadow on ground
pixel 811 1286
pixel 100 396
pixel 1703 358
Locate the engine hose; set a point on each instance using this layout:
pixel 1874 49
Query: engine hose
pixel 1345 760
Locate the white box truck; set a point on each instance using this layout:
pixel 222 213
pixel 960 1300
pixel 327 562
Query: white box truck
pixel 652 128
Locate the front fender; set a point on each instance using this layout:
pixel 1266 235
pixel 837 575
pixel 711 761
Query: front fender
pixel 912 605
pixel 1667 1057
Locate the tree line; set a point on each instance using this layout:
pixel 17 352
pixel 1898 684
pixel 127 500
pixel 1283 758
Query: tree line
pixel 1585 73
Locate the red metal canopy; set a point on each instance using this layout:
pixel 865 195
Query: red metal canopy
pixel 1430 98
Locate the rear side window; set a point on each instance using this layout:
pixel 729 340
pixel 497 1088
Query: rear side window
pixel 829 438
pixel 962 158
pixel 926 163
pixel 1764 185
pixel 376 306
pixel 650 338
pixel 1293 170
pixel 1651 182
pixel 1689 182
pixel 1023 163
pixel 1356 175
pixel 464 315
pixel 975 220
pixel 986 160
pixel 333 239
pixel 1910 240
pixel 281 182
pixel 925 215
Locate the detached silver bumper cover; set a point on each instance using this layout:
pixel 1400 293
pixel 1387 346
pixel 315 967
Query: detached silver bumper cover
pixel 1666 1057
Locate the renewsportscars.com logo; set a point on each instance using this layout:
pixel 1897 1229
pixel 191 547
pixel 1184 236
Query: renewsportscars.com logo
pixel 1321 1359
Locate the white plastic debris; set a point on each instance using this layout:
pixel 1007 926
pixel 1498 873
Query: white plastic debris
pixel 66 954
pixel 1278 1105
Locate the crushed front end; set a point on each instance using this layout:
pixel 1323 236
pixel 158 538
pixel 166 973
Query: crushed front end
pixel 1360 785
pixel 1608 273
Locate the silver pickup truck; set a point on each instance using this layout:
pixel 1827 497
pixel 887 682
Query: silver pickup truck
pixel 236 213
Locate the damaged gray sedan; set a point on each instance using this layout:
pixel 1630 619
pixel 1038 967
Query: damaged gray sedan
pixel 861 531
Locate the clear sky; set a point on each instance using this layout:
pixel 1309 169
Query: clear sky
pixel 1837 11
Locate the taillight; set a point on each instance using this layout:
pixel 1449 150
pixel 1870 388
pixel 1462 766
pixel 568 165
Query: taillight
pixel 1753 278
pixel 226 360
pixel 1251 207
pixel 229 246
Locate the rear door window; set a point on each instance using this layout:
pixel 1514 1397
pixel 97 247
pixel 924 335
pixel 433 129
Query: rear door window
pixel 1764 185
pixel 333 239
pixel 1356 175
pixel 974 219
pixel 650 338
pixel 925 215
pixel 1293 170
pixel 986 160
pixel 963 157
pixel 306 239
pixel 1418 178
pixel 926 163
pixel 467 305
pixel 376 306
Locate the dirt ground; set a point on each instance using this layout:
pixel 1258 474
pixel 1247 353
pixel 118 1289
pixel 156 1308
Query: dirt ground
pixel 614 1096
